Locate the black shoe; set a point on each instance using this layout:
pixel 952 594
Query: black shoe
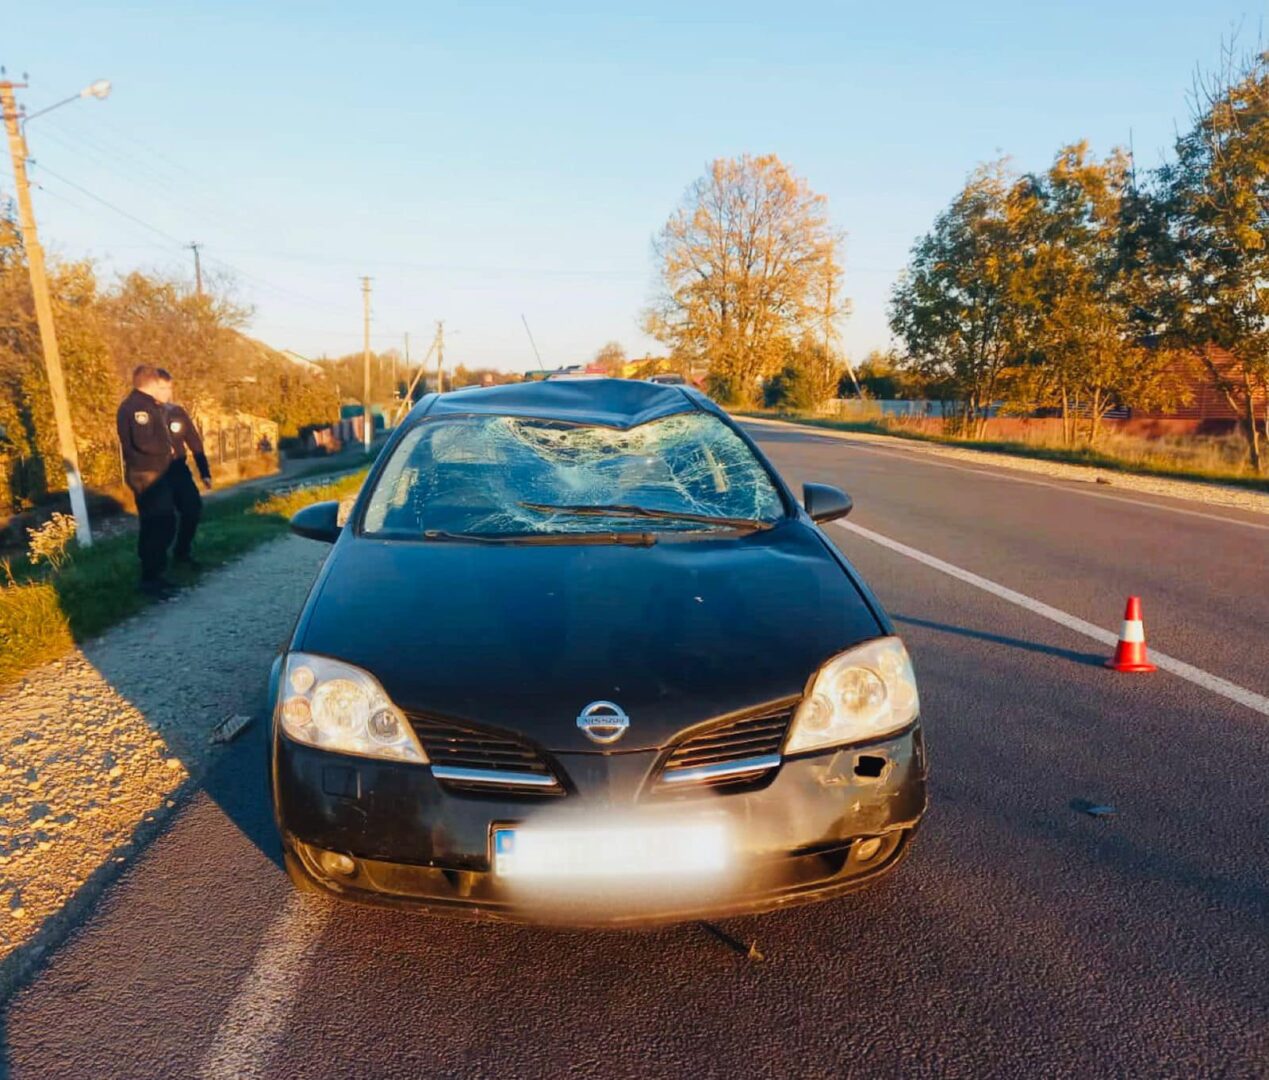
pixel 187 560
pixel 157 588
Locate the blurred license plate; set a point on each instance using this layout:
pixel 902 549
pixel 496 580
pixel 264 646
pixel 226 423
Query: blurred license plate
pixel 613 852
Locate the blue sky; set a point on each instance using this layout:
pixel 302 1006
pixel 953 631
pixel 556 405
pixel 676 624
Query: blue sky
pixel 483 161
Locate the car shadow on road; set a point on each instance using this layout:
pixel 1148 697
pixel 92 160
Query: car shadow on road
pixel 1075 656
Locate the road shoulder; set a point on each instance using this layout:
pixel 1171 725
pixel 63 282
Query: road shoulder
pixel 99 748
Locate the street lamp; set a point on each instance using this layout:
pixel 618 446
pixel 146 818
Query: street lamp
pixel 15 125
pixel 99 90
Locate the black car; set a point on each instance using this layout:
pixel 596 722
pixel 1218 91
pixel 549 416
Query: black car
pixel 579 655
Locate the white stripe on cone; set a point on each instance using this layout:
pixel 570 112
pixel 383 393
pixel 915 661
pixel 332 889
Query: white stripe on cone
pixel 1133 632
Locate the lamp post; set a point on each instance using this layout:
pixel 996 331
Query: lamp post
pixel 15 125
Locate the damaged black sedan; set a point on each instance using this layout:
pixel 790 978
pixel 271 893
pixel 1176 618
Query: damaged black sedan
pixel 578 655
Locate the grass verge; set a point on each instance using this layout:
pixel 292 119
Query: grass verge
pixel 1069 455
pixel 43 615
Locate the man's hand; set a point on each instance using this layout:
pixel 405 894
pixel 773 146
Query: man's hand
pixel 207 482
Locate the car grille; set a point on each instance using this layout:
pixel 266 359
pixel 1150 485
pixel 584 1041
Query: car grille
pixel 731 754
pixel 472 759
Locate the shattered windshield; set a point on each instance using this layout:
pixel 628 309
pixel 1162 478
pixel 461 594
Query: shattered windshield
pixel 496 476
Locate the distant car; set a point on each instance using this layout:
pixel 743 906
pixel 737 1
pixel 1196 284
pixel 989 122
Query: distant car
pixel 672 378
pixel 578 655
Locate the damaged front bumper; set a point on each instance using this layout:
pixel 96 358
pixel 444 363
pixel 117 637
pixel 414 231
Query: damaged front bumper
pixel 822 825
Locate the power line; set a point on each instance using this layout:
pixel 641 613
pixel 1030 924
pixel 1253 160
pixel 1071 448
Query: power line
pixel 182 245
pixel 111 206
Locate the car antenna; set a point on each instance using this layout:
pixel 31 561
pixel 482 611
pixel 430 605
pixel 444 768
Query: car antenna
pixel 532 342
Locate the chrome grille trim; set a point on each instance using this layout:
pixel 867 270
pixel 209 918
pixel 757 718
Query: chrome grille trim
pixel 500 777
pixel 705 773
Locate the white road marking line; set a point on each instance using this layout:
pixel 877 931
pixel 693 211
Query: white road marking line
pixel 263 1003
pixel 925 457
pixel 1189 672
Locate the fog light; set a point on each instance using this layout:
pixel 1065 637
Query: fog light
pixel 867 849
pixel 333 862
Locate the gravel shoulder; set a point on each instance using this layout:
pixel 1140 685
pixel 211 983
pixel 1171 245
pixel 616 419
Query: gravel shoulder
pixel 98 748
pixel 1211 494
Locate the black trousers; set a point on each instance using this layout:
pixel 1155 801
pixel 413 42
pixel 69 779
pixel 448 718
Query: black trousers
pixel 189 506
pixel 157 514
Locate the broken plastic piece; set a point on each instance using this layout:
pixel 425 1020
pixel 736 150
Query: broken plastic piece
pixel 750 952
pixel 230 727
pixel 1093 809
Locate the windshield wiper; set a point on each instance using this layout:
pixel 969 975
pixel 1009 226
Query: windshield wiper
pixel 637 539
pixel 623 510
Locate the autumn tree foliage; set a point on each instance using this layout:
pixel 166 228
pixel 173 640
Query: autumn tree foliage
pixel 1089 286
pixel 956 308
pixel 611 358
pixel 1080 288
pixel 103 333
pixel 747 264
pixel 1214 238
pixel 1023 295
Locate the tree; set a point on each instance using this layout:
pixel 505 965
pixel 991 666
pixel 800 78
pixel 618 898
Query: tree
pixel 955 307
pixel 886 376
pixel 151 320
pixel 748 262
pixel 1079 288
pixel 1215 237
pixel 611 358
pixel 809 377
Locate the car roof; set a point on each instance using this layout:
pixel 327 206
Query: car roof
pixel 617 403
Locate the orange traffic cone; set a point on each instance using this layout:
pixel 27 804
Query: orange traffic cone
pixel 1130 653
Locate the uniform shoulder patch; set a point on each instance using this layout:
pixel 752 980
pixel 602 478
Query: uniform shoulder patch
pixel 176 426
pixel 141 416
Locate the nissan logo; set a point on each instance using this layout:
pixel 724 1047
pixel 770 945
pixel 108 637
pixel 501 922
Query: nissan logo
pixel 603 722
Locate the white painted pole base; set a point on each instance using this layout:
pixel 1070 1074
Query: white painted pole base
pixel 79 507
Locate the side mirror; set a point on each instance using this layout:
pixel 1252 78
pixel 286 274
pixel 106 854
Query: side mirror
pixel 317 522
pixel 825 503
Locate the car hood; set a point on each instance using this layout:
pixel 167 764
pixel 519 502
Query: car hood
pixel 524 636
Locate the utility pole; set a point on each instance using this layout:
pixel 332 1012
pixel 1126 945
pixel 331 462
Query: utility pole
pixel 440 356
pixel 44 316
pixel 194 245
pixel 828 327
pixel 394 366
pixel 367 424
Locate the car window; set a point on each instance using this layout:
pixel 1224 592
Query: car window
pixel 499 475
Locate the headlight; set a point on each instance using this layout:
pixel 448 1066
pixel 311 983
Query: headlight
pixel 336 706
pixel 865 693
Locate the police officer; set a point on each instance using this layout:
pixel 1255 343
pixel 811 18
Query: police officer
pixel 147 456
pixel 189 504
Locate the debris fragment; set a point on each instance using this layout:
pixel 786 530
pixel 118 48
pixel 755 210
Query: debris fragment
pixel 750 952
pixel 230 727
pixel 1093 809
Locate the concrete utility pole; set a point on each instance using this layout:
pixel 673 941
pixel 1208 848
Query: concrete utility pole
pixel 394 366
pixel 198 266
pixel 828 325
pixel 367 424
pixel 440 356
pixel 44 316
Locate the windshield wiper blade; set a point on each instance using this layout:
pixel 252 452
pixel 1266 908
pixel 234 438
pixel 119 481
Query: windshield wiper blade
pixel 635 539
pixel 624 510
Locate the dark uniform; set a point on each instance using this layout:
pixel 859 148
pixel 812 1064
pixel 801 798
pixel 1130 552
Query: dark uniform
pixel 189 503
pixel 147 456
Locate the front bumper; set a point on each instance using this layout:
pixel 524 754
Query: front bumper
pixel 415 843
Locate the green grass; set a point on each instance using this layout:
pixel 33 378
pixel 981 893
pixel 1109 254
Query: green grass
pixel 42 615
pixel 1161 465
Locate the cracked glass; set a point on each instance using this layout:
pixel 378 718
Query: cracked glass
pixel 507 476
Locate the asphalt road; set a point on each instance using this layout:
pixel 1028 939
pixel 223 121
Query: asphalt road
pixel 1023 937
